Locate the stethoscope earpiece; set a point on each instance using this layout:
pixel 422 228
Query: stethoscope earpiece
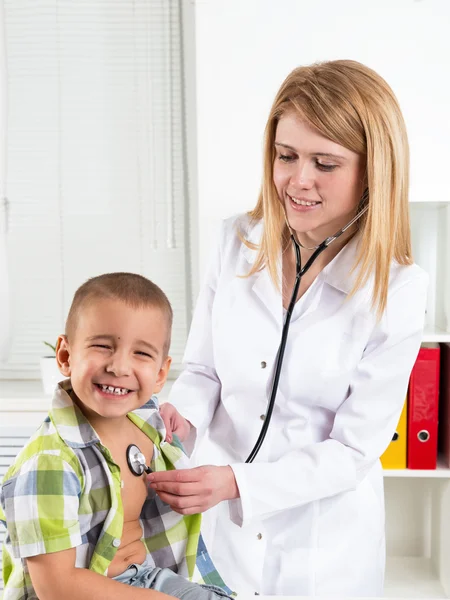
pixel 136 461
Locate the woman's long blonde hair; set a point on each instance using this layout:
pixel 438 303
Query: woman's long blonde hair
pixel 353 106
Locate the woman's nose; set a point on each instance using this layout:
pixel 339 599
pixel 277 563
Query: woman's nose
pixel 303 176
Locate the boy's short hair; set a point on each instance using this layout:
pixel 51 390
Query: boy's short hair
pixel 132 289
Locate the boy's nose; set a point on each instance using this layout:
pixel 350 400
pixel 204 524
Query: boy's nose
pixel 118 365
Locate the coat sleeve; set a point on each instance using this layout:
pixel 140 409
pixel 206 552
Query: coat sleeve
pixel 363 424
pixel 196 392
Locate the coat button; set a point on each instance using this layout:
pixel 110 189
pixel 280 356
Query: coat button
pixel 263 364
pixel 116 542
pixel 262 417
pixel 259 536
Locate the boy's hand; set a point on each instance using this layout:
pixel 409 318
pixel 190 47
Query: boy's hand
pixel 174 422
pixel 191 491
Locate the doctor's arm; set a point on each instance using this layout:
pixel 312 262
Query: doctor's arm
pixel 196 392
pixel 362 429
pixel 363 424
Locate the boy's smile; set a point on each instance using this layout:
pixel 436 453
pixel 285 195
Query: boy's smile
pixel 111 390
pixel 116 358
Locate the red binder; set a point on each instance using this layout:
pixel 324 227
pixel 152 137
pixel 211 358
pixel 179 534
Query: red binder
pixel 423 407
pixel 444 406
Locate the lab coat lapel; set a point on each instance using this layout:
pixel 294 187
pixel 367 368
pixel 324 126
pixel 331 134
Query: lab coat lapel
pixel 263 287
pixel 266 292
pixel 337 273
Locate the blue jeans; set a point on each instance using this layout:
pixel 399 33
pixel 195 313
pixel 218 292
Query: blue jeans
pixel 166 581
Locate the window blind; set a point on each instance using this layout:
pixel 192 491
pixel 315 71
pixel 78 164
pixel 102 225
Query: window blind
pixel 95 155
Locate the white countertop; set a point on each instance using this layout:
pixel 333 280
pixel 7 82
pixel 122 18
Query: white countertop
pixel 29 396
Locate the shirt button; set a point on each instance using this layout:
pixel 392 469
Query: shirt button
pixel 259 536
pixel 263 364
pixel 116 542
pixel 262 417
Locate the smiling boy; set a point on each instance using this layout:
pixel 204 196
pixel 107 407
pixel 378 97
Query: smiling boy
pixel 73 510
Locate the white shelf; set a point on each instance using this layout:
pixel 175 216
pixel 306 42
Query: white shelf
pixel 411 577
pixel 444 201
pixel 441 472
pixel 434 334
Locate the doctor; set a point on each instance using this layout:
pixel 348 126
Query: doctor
pixel 307 517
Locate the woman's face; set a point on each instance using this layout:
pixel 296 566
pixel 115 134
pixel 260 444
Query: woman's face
pixel 319 182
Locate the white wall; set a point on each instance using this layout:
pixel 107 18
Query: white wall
pixel 244 50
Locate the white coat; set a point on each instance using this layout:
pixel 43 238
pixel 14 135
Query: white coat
pixel 310 518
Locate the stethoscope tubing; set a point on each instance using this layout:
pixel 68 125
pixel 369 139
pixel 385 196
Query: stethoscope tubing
pixel 284 334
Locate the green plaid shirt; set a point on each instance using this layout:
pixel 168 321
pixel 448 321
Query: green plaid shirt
pixel 64 491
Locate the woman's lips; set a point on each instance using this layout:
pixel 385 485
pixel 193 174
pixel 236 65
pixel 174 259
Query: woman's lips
pixel 303 205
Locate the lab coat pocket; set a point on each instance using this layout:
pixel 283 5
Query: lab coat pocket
pixel 346 345
pixel 343 355
pixel 335 376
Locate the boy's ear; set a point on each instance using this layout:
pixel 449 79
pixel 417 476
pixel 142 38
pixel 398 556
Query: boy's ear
pixel 63 355
pixel 162 375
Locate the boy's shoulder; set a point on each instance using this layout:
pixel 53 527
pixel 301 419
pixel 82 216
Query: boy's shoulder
pixel 45 441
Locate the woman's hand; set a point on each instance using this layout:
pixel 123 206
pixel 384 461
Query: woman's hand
pixel 174 422
pixel 191 491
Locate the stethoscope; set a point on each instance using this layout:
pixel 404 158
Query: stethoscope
pixel 136 461
pixel 299 274
pixel 135 458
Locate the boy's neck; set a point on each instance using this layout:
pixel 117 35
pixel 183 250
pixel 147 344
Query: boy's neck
pixel 109 429
pixel 105 427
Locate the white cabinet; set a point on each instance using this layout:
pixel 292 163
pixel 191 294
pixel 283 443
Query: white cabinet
pixel 418 533
pixel 418 502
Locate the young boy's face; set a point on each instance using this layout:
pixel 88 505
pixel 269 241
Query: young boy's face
pixel 116 358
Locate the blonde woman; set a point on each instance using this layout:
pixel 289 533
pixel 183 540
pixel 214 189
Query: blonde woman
pixel 307 517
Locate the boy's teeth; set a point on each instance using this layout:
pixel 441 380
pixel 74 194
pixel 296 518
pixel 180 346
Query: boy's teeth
pixel 114 390
pixel 302 202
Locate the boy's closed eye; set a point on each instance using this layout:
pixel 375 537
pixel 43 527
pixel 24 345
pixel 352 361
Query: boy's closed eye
pixel 142 353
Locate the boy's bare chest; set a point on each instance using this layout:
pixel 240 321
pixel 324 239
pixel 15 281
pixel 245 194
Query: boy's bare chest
pixel 134 488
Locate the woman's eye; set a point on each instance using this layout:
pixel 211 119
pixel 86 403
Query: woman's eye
pixel 324 167
pixel 286 158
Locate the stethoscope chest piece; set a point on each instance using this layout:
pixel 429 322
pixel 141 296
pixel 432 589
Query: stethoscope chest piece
pixel 136 461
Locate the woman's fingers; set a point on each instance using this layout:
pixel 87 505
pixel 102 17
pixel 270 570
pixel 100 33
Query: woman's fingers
pixel 178 503
pixel 177 489
pixel 176 476
pixel 194 490
pixel 174 422
pixel 165 415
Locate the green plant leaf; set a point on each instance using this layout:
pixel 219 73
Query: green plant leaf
pixel 51 346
